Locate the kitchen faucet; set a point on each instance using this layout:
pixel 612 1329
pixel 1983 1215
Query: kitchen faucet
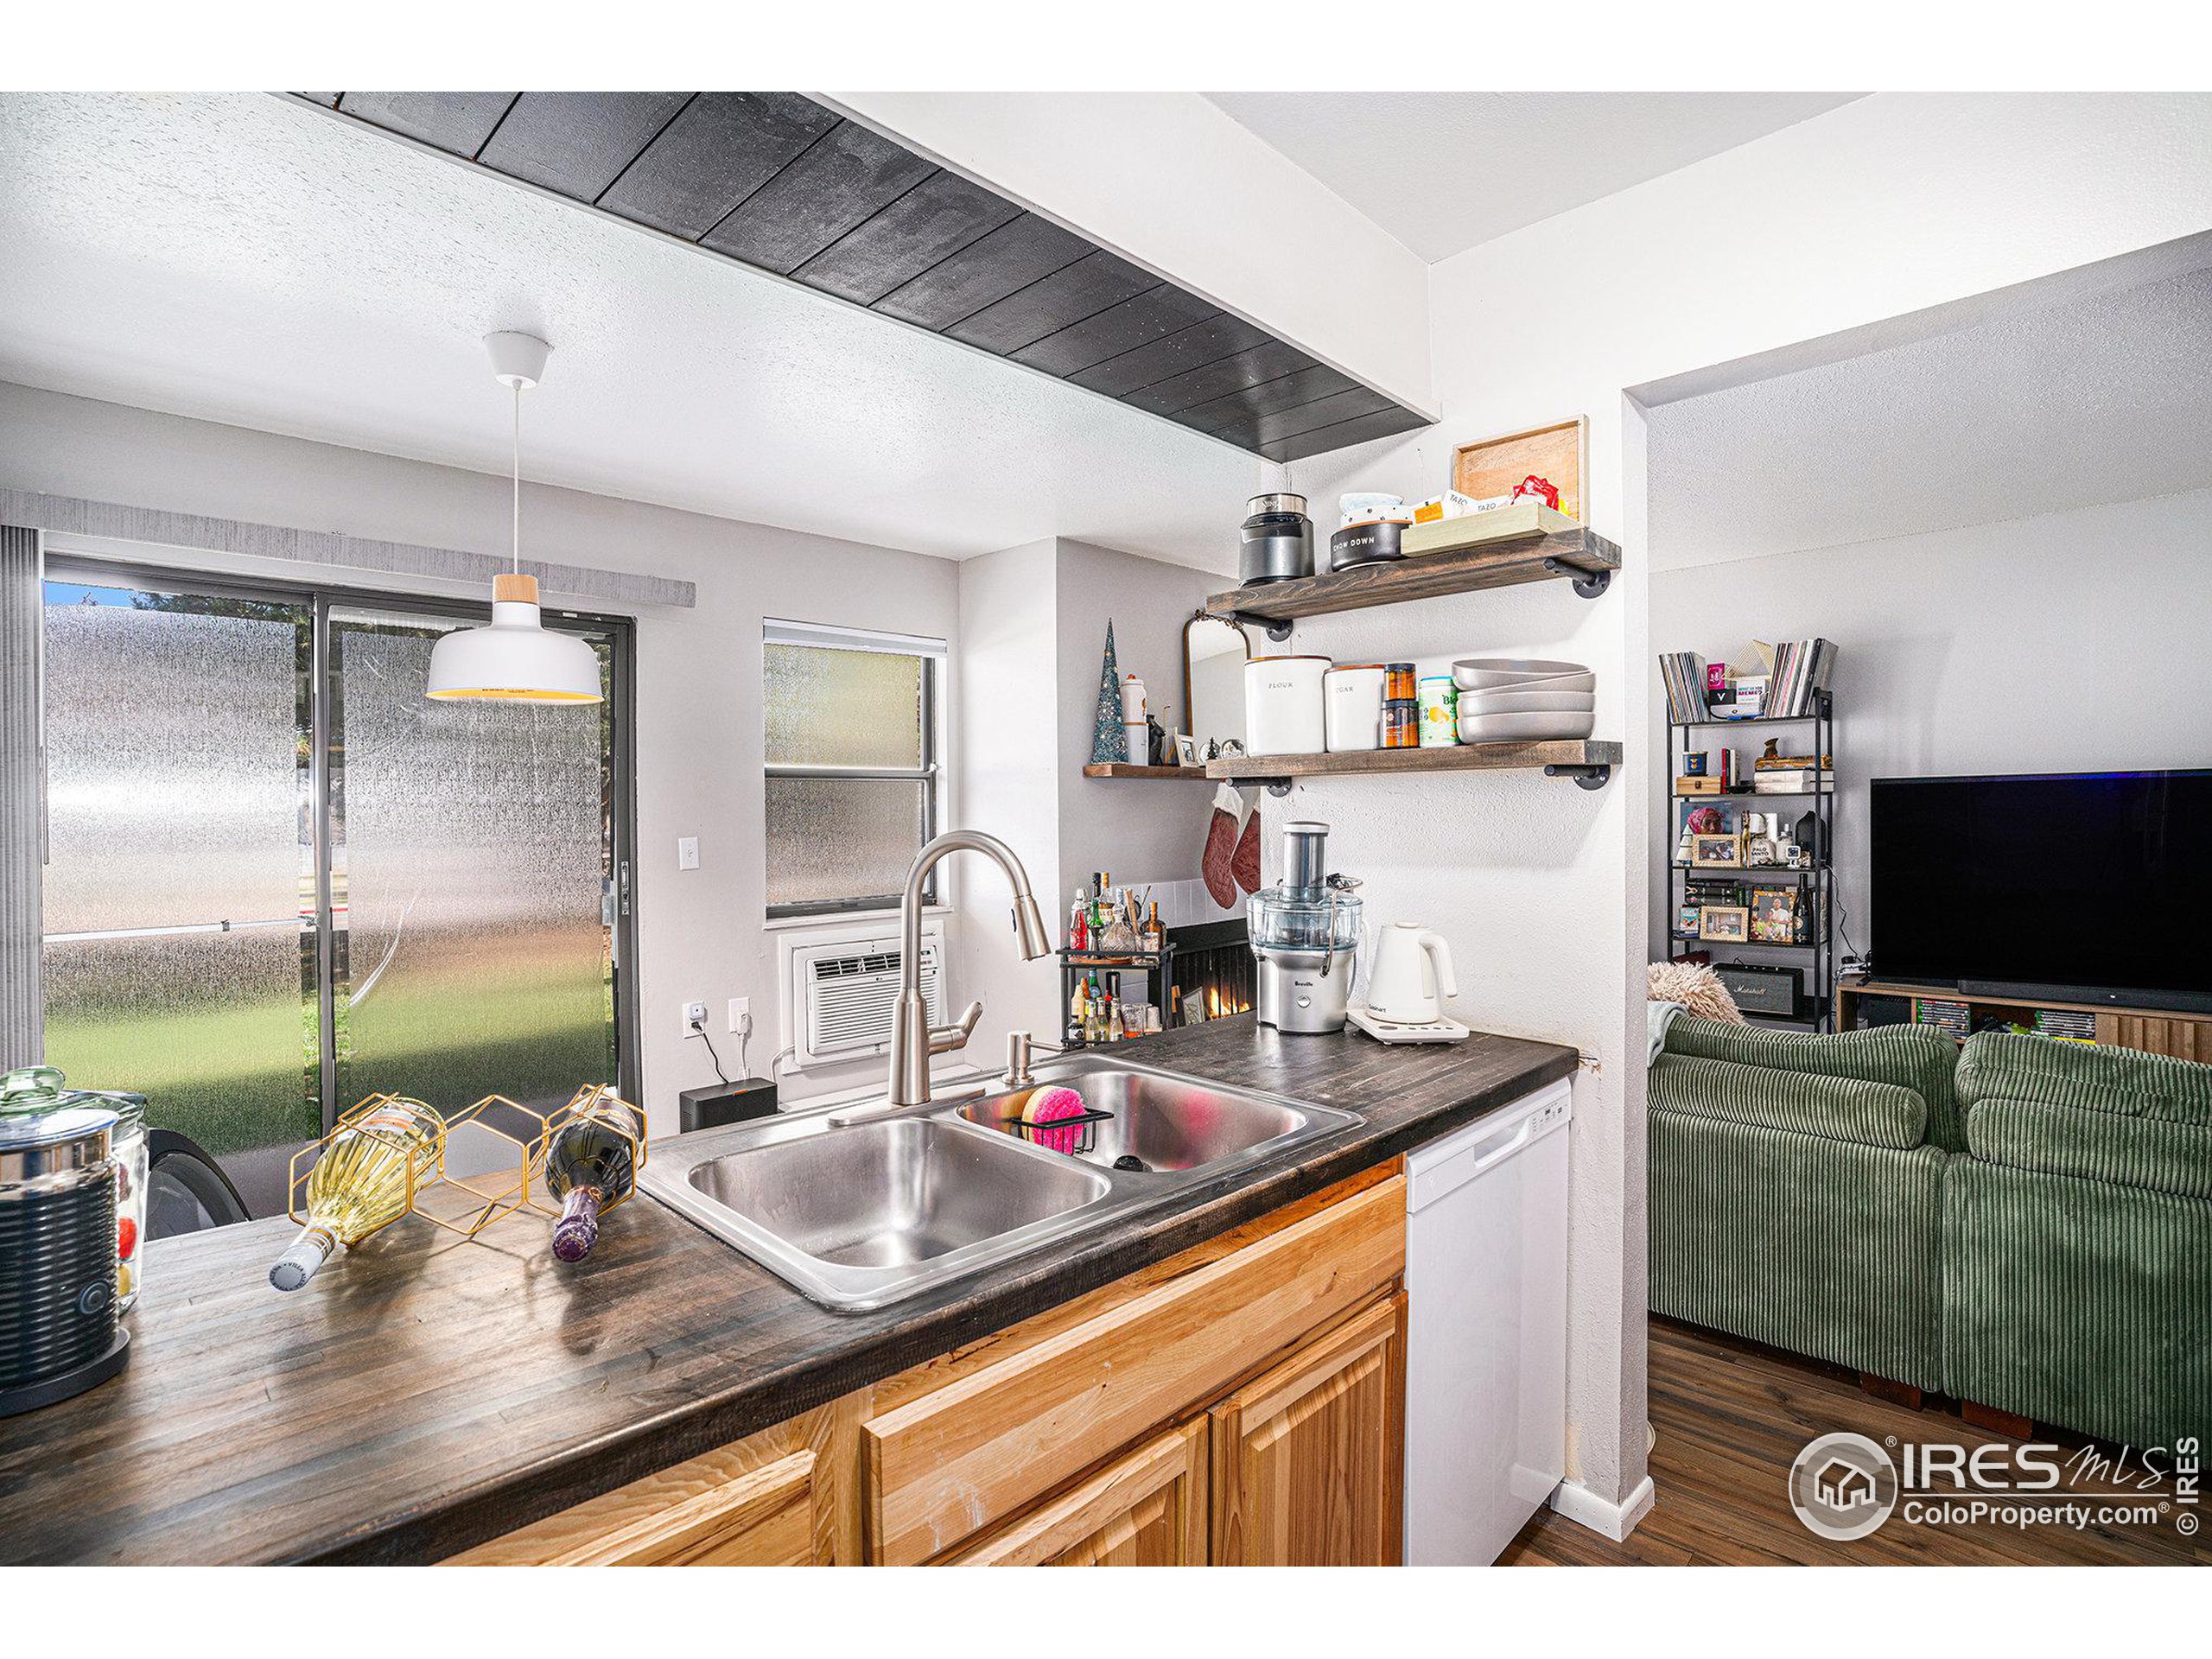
pixel 913 1039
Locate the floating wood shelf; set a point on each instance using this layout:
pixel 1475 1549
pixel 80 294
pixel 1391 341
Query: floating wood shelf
pixel 1578 556
pixel 1588 763
pixel 1125 769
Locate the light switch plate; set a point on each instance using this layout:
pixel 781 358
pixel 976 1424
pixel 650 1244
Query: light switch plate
pixel 687 852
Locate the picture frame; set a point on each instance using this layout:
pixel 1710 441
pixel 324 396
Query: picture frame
pixel 1186 751
pixel 1687 921
pixel 1724 924
pixel 1721 852
pixel 1777 917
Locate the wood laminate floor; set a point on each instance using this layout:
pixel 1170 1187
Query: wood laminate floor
pixel 1729 1417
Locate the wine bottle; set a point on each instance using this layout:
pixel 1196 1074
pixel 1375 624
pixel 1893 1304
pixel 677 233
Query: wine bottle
pixel 361 1183
pixel 590 1163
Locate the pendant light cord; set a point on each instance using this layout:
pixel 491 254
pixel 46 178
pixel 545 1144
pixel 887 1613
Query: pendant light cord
pixel 517 478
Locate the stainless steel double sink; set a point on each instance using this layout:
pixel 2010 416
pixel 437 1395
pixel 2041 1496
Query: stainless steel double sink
pixel 858 1210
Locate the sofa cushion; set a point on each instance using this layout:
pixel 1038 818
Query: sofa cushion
pixel 1915 1058
pixel 2123 1082
pixel 2098 1146
pixel 1802 1102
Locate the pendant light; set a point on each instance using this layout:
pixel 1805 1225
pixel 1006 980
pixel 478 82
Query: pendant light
pixel 515 659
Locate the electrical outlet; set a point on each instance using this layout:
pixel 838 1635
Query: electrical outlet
pixel 695 1017
pixel 687 852
pixel 741 1016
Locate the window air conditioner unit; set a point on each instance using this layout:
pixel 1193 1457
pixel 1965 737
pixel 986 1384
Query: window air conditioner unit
pixel 843 990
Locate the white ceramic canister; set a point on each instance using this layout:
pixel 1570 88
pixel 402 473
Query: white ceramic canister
pixel 1439 713
pixel 1282 705
pixel 1352 694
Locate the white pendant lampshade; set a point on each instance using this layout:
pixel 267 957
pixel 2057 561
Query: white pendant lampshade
pixel 515 659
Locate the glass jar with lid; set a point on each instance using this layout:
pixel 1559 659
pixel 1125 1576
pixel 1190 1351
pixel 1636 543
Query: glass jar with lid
pixel 42 1089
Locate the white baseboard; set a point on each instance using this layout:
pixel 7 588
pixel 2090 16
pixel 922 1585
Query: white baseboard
pixel 1614 1520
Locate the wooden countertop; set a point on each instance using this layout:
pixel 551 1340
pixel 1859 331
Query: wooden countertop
pixel 426 1393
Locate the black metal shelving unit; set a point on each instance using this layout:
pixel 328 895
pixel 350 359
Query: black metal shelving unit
pixel 1158 967
pixel 1816 880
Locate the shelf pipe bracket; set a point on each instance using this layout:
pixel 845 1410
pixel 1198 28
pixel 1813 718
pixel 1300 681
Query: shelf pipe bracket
pixel 1585 777
pixel 1277 786
pixel 1588 583
pixel 1277 627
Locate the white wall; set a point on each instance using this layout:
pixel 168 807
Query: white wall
pixel 1009 725
pixel 1886 205
pixel 2071 642
pixel 1139 830
pixel 1169 180
pixel 698 720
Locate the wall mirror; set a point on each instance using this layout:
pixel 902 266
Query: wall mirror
pixel 1215 651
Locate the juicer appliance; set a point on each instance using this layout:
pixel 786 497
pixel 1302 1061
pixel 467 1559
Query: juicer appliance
pixel 1305 932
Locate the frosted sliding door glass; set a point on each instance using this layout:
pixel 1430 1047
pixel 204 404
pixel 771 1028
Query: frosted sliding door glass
pixel 469 863
pixel 180 943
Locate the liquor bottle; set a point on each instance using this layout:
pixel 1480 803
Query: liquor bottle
pixel 1079 925
pixel 1078 1013
pixel 361 1183
pixel 591 1162
pixel 1151 938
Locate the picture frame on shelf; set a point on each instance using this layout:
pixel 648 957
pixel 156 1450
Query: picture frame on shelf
pixel 1777 917
pixel 1724 924
pixel 1186 751
pixel 1721 852
pixel 1687 921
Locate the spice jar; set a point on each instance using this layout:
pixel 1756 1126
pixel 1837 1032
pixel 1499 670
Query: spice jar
pixel 1400 724
pixel 1398 682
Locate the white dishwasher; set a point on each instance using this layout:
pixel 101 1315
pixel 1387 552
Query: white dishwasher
pixel 1487 1338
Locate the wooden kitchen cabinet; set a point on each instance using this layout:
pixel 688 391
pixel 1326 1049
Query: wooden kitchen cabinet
pixel 1242 1401
pixel 1146 1509
pixel 1309 1458
pixel 762 1501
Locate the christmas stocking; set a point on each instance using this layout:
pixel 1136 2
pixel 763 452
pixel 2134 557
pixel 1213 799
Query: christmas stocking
pixel 1232 854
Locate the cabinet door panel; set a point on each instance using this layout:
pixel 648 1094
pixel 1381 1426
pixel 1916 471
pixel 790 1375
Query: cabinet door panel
pixel 1309 1458
pixel 1147 1510
pixel 731 1508
pixel 950 1464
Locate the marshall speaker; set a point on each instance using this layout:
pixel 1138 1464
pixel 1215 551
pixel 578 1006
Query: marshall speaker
pixel 1758 989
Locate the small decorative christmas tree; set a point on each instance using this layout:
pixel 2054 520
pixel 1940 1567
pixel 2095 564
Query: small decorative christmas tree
pixel 1108 743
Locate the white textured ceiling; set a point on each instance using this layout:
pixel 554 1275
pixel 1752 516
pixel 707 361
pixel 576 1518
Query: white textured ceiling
pixel 2040 408
pixel 243 258
pixel 1443 171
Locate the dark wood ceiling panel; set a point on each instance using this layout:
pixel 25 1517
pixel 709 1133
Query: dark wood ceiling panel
pixel 577 143
pixel 1244 408
pixel 1189 348
pixel 1270 360
pixel 784 184
pixel 457 122
pixel 1342 436
pixel 1119 329
pixel 935 219
pixel 1020 251
pixel 836 184
pixel 722 148
pixel 1083 289
pixel 1325 411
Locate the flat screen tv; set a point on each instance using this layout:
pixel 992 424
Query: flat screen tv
pixel 2081 887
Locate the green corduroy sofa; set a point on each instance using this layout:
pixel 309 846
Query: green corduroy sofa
pixel 2026 1225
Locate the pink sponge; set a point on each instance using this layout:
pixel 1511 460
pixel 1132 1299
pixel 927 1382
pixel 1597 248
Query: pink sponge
pixel 1049 1105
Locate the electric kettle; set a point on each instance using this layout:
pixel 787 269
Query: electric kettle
pixel 1412 965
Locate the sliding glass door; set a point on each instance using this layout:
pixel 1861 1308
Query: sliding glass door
pixel 280 878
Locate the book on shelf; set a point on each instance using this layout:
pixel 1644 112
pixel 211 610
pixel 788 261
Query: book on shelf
pixel 1684 674
pixel 1800 670
pixel 1770 781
